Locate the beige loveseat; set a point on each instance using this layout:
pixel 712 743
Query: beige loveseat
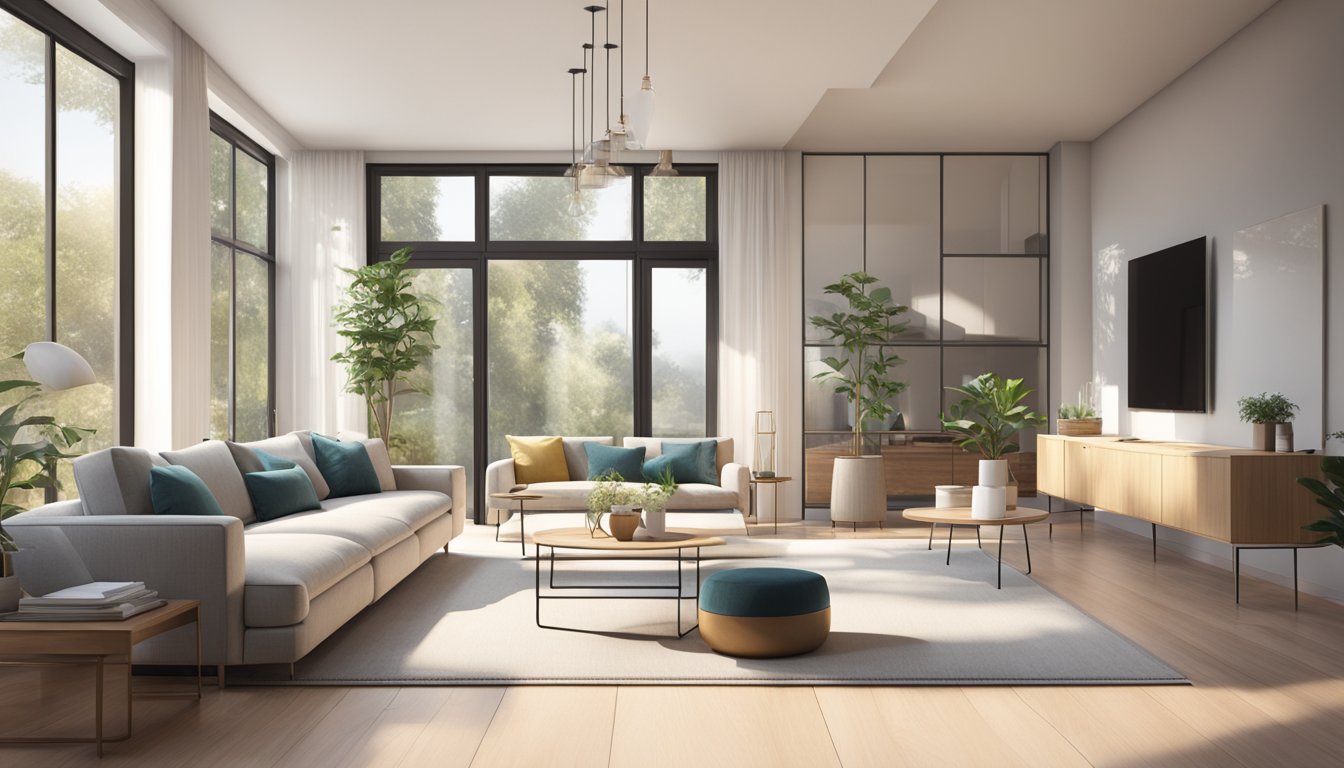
pixel 269 591
pixel 572 495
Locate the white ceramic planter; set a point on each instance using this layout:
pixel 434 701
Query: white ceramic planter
pixel 9 594
pixel 952 496
pixel 993 473
pixel 988 503
pixel 1283 437
pixel 655 522
pixel 858 491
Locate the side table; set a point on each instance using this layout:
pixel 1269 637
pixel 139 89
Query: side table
pixel 955 516
pixel 773 481
pixel 522 497
pixel 94 643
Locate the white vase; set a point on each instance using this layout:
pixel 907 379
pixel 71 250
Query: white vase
pixel 858 490
pixel 993 473
pixel 952 496
pixel 1283 437
pixel 655 522
pixel 988 503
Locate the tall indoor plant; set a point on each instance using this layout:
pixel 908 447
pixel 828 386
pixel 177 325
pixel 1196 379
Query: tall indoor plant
pixel 862 372
pixel 1329 494
pixel 388 331
pixel 988 418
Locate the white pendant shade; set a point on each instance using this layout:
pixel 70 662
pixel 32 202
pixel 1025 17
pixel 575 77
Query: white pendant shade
pixel 664 166
pixel 641 116
pixel 56 366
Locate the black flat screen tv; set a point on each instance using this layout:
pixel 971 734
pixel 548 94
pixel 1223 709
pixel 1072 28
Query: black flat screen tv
pixel 1168 328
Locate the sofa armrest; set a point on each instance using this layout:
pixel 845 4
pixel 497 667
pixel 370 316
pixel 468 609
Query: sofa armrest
pixel 186 557
pixel 737 478
pixel 499 478
pixel 448 479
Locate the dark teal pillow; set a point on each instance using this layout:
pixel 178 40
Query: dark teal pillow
pixel 179 491
pixel 695 462
pixel 270 461
pixel 627 462
pixel 346 467
pixel 279 492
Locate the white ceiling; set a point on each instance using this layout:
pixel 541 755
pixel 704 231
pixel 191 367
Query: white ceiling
pixel 862 74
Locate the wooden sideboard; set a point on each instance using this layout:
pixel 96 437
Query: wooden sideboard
pixel 1233 495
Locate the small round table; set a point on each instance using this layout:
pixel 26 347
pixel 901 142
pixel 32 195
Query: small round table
pixel 520 497
pixel 954 516
pixel 775 481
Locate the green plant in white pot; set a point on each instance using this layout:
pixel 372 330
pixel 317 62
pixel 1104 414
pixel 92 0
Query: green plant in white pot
pixel 1265 412
pixel 988 418
pixel 862 371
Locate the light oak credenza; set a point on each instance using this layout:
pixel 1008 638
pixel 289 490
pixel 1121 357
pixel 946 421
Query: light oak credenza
pixel 1233 495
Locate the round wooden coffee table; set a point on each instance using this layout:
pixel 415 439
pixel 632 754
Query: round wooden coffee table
pixel 602 547
pixel 522 497
pixel 955 516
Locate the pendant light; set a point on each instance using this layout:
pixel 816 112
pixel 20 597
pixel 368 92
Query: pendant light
pixel 664 166
pixel 620 135
pixel 598 172
pixel 642 105
pixel 574 129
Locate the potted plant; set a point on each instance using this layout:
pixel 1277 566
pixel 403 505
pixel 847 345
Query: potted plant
pixel 988 418
pixel 653 497
pixel 1079 420
pixel 388 332
pixel 1264 412
pixel 612 495
pixel 862 373
pixel 1330 496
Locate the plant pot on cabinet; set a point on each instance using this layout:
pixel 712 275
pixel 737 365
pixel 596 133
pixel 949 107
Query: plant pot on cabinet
pixel 1262 436
pixel 1079 427
pixel 858 490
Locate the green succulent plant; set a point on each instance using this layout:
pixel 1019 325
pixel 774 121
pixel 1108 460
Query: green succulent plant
pixel 1080 411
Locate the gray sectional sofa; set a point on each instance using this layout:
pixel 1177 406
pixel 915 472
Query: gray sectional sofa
pixel 269 591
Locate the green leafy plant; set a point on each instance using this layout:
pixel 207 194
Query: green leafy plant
pixel 654 496
pixel 1330 496
pixel 29 449
pixel 1080 411
pixel 611 490
pixel 863 373
pixel 388 332
pixel 1265 408
pixel 990 414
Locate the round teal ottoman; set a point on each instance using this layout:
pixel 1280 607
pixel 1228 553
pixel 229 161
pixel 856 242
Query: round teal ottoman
pixel 764 613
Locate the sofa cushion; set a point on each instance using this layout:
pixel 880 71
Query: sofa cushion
pixel 654 447
pixel 178 491
pixel 562 495
pixel 277 493
pixel 538 459
pixel 212 462
pixel 576 456
pixel 702 496
pixel 345 466
pixel 414 508
pixel 688 463
pixel 572 496
pixel 377 534
pixel 284 572
pixel 606 459
pixel 115 481
pixel 378 454
pixel 297 448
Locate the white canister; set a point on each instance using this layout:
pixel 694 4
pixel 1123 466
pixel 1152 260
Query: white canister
pixel 993 473
pixel 655 522
pixel 988 503
pixel 1283 437
pixel 951 496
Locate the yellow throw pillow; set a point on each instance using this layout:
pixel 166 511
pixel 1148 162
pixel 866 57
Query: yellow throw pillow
pixel 538 459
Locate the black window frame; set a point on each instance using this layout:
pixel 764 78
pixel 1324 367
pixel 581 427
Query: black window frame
pixel 241 142
pixel 59 29
pixel 644 256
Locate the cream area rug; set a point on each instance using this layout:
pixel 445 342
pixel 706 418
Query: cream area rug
pixel 899 616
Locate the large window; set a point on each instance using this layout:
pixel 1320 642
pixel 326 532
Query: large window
pixel 588 316
pixel 65 214
pixel 242 281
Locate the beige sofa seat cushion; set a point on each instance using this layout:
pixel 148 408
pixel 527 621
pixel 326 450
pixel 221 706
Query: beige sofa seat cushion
pixel 415 509
pixel 374 533
pixel 653 446
pixel 298 448
pixel 285 572
pixel 702 496
pixel 568 495
pixel 213 463
pixel 116 481
pixel 576 457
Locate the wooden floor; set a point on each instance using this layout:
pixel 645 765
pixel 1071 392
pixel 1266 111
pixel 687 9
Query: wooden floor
pixel 1268 691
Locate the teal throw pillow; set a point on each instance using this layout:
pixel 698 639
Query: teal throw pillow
pixel 346 467
pixel 627 462
pixel 279 492
pixel 695 462
pixel 270 461
pixel 179 491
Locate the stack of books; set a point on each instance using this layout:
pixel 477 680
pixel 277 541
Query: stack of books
pixel 95 601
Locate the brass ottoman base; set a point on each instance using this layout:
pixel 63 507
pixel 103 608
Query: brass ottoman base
pixel 765 637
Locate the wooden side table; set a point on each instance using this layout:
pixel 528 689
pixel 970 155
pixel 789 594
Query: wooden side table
pixel 954 516
pixel 522 497
pixel 774 481
pixel 94 643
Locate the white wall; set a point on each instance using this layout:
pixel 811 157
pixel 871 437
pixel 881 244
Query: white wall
pixel 1070 271
pixel 1250 133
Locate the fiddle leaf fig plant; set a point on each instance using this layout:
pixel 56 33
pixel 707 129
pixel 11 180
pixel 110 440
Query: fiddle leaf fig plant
pixel 990 415
pixel 388 331
pixel 863 370
pixel 1329 494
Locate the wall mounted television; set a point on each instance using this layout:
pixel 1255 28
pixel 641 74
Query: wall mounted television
pixel 1169 328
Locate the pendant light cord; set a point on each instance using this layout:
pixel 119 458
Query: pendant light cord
pixel 646 38
pixel 606 91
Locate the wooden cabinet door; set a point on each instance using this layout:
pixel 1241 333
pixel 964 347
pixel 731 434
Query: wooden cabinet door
pixel 1050 465
pixel 1078 472
pixel 1195 495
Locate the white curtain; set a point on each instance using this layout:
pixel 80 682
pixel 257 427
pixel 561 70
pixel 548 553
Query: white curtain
pixel 327 207
pixel 760 310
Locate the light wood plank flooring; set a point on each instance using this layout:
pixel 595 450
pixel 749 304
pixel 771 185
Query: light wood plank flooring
pixel 1268 690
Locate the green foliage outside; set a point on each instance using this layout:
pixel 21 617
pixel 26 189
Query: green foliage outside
pixel 990 415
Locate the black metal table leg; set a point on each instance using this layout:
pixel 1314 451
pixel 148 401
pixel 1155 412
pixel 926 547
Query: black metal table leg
pixel 931 527
pixel 1294 578
pixel 1000 584
pixel 522 531
pixel 950 528
pixel 538 589
pixel 1027 543
pixel 1237 573
pixel 977 538
pixel 1154 542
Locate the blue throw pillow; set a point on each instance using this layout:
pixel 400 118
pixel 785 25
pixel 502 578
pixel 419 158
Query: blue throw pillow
pixel 695 462
pixel 626 462
pixel 179 491
pixel 270 461
pixel 279 492
pixel 346 467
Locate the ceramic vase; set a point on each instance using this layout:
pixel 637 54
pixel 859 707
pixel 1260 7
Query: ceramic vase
pixel 858 490
pixel 623 525
pixel 655 522
pixel 952 496
pixel 993 473
pixel 988 502
pixel 1262 436
pixel 1283 437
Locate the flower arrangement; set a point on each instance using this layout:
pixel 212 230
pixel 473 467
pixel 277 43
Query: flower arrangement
pixel 611 490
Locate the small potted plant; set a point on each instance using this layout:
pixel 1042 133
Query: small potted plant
pixel 988 418
pixel 1330 495
pixel 1079 420
pixel 611 495
pixel 1265 413
pixel 653 497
